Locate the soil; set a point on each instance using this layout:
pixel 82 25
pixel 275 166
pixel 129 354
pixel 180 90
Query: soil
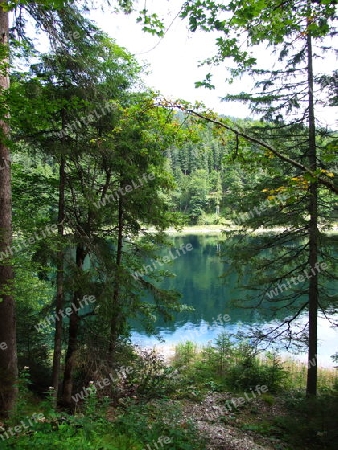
pixel 227 429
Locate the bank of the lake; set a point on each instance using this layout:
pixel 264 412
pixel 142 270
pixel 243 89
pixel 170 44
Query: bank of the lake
pixel 230 226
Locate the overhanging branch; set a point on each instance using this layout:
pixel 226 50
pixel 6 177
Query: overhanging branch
pixel 320 180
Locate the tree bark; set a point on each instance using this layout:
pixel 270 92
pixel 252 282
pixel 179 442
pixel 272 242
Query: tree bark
pixel 59 281
pixel 311 384
pixel 8 354
pixel 117 323
pixel 74 322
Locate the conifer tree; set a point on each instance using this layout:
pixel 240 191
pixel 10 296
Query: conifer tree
pixel 285 97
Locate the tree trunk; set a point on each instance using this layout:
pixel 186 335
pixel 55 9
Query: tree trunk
pixel 59 281
pixel 116 324
pixel 74 322
pixel 8 355
pixel 311 385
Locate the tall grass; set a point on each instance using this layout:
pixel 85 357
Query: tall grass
pixel 297 372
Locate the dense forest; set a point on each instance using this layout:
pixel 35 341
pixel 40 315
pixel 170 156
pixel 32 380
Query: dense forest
pixel 95 167
pixel 213 186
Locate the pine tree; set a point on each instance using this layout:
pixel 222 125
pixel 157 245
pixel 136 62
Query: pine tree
pixel 285 98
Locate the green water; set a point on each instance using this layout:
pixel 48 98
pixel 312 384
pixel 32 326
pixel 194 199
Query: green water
pixel 199 280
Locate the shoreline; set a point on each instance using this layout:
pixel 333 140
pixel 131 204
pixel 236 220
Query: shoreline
pixel 167 352
pixel 219 229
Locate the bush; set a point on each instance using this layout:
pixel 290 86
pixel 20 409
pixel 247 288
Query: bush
pixel 232 365
pixel 249 372
pixel 185 354
pixel 137 373
pixel 66 432
pixel 150 376
pixel 311 422
pixel 150 421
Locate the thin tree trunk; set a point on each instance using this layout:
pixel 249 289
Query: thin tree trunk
pixel 74 322
pixel 117 323
pixel 311 385
pixel 8 355
pixel 59 281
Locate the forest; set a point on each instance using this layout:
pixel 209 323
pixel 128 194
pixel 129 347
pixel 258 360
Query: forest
pixel 96 167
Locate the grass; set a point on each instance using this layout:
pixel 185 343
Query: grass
pixel 297 372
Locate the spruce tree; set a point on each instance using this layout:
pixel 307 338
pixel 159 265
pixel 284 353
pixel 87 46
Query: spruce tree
pixel 285 97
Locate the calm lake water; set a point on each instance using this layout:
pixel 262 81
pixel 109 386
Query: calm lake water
pixel 198 279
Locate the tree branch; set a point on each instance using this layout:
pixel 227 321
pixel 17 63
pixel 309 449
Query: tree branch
pixel 330 185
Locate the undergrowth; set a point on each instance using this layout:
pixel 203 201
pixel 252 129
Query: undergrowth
pixel 142 409
pixel 136 424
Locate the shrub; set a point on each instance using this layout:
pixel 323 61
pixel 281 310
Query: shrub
pixel 185 354
pixel 147 422
pixel 150 376
pixel 228 364
pixel 311 422
pixel 237 363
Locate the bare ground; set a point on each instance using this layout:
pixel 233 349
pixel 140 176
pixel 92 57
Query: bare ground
pixel 225 430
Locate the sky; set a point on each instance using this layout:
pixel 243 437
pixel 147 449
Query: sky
pixel 173 60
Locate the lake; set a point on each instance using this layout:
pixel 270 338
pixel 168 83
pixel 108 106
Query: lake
pixel 198 279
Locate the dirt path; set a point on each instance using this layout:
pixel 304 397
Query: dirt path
pixel 224 429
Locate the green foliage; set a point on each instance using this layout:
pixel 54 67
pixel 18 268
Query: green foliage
pixel 33 347
pixel 230 365
pixel 150 377
pixel 134 427
pixel 24 394
pixel 185 354
pixel 64 432
pixel 47 3
pixel 240 368
pixel 151 23
pixel 310 422
pixel 79 108
pixel 264 428
pixel 249 373
pixel 148 422
pixel 208 182
pixel 197 171
pixel 261 21
pixel 191 382
pixel 284 99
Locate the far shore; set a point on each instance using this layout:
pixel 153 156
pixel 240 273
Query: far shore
pixel 218 229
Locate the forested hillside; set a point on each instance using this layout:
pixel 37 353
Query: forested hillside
pixel 217 182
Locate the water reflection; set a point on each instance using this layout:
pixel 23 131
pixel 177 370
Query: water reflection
pixel 198 278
